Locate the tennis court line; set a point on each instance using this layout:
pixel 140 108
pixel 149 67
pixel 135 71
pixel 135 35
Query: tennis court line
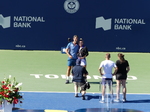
pixel 73 92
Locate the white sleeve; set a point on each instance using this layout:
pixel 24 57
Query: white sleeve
pixel 101 65
pixel 115 65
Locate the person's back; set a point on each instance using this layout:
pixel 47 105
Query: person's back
pixel 78 72
pixel 79 75
pixel 121 76
pixel 122 67
pixel 107 66
pixel 106 74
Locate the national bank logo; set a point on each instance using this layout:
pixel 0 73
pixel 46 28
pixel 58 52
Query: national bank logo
pixel 103 23
pixel 4 21
pixel 20 21
pixel 118 23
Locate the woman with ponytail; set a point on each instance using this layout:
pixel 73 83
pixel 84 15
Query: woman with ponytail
pixel 121 76
pixel 83 53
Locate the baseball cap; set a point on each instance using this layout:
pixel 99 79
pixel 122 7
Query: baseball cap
pixel 78 61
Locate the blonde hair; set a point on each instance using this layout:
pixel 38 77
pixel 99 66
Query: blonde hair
pixel 75 36
pixel 108 55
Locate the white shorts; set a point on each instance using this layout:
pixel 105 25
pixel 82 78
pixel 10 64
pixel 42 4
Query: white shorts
pixel 83 62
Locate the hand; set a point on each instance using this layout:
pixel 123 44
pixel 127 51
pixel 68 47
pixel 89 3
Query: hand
pixel 70 56
pixel 102 74
pixel 81 57
pixel 113 74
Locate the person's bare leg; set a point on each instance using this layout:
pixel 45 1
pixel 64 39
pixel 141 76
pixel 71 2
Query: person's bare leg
pixel 68 74
pixel 110 89
pixel 76 90
pixel 124 90
pixel 83 94
pixel 103 92
pixel 118 89
pixel 68 71
pixel 71 77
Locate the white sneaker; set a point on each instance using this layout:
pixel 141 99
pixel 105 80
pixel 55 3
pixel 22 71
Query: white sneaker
pixel 117 100
pixel 102 101
pixel 124 100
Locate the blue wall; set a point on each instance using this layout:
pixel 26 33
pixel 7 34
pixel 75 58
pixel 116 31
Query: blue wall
pixel 54 25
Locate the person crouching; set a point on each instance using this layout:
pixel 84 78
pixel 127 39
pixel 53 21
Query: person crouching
pixel 79 74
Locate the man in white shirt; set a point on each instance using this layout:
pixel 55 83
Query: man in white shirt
pixel 107 66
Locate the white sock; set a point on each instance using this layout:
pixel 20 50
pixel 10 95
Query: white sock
pixel 103 97
pixel 76 93
pixel 67 78
pixel 71 77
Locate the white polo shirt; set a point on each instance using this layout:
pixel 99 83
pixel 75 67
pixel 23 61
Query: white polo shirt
pixel 107 66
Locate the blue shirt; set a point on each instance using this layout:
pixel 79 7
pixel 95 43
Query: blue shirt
pixel 73 50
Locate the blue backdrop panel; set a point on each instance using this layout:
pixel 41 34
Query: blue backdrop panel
pixel 103 25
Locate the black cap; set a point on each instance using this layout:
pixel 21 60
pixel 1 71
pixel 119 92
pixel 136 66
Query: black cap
pixel 78 61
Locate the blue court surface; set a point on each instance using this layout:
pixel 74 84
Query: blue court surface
pixel 67 101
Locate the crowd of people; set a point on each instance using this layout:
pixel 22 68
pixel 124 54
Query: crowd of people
pixel 77 53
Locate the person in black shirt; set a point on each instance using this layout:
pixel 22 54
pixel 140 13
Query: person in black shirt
pixel 83 53
pixel 121 75
pixel 79 75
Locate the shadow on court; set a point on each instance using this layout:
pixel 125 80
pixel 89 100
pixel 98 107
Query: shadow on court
pixel 138 101
pixel 89 97
pixel 100 82
pixel 94 82
pixel 67 101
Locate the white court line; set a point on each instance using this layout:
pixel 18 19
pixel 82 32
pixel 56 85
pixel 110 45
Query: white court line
pixel 73 92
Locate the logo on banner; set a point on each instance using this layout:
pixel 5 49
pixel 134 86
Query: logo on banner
pixel 71 6
pixel 103 23
pixel 4 21
pixel 117 23
pixel 20 21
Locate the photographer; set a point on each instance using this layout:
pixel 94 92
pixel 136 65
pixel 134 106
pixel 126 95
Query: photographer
pixel 79 74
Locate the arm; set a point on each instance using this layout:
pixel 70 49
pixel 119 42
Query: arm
pixel 85 75
pixel 115 71
pixel 67 52
pixel 128 69
pixel 100 70
pixel 85 72
pixel 86 50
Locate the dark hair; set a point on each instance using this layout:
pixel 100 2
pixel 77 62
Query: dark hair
pixel 80 39
pixel 121 57
pixel 69 39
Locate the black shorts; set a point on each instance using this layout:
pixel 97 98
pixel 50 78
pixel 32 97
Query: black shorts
pixel 121 76
pixel 81 84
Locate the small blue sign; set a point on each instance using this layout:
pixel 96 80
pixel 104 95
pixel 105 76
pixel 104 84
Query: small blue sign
pixel 63 50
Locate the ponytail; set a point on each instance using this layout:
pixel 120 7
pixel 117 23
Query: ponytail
pixel 121 57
